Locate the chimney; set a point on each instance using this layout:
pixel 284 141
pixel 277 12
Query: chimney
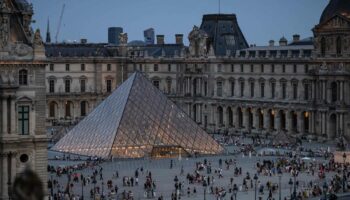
pixel 296 38
pixel 283 41
pixel 83 41
pixel 160 39
pixel 272 43
pixel 179 38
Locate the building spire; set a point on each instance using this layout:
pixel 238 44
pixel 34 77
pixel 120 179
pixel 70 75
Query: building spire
pixel 48 35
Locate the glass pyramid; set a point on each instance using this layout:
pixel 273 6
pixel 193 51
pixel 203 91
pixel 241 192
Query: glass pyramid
pixel 137 120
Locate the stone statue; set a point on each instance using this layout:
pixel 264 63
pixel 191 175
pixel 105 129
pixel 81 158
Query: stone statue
pixel 198 42
pixel 4 31
pixel 37 38
pixel 324 66
pixel 123 38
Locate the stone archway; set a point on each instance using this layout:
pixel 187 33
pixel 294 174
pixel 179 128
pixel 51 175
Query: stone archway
pixel 332 126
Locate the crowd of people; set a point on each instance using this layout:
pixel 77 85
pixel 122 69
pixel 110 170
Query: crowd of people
pixel 264 178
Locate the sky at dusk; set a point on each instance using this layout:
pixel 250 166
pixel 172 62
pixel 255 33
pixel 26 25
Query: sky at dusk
pixel 260 20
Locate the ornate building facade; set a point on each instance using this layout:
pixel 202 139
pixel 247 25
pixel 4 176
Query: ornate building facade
pixel 23 140
pixel 300 87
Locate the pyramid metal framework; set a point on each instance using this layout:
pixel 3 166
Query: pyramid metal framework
pixel 132 121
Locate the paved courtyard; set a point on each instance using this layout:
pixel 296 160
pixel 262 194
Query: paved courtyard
pixel 163 176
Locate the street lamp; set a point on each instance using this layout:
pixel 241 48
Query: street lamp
pixel 82 187
pixel 325 188
pixel 256 180
pixel 290 184
pixel 344 176
pixel 280 177
pixel 294 196
pixel 51 185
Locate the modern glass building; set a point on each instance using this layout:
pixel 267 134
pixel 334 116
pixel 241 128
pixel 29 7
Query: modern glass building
pixel 137 120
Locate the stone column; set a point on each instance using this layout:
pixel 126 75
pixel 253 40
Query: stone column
pixel 256 119
pixel 4 115
pixel 245 119
pixel 288 122
pixel 234 117
pixel 13 115
pixel 300 119
pixel 13 166
pixel 4 178
pixel 341 91
pixel 324 123
pixel 266 120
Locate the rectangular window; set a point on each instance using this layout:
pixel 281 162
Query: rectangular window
pixel 155 67
pixel 109 67
pixel 295 91
pixel 51 86
pixel 272 68
pixel 262 90
pixel 82 85
pixel 23 120
pixel 242 68
pixel 169 68
pixel 82 67
pixel 219 88
pixel 273 89
pixel 67 67
pixel 306 68
pixel 262 68
pixel 232 88
pixel 252 89
pixel 52 67
pixel 168 83
pixel 219 68
pixel 295 68
pixel 67 85
pixel 156 84
pixel 242 89
pixel 141 68
pixel 109 85
pixel 232 68
pixel 306 91
pixel 284 90
pixel 283 68
pixel 205 88
pixel 251 68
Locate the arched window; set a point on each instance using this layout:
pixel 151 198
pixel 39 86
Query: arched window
pixel 339 47
pixel 23 77
pixel 323 47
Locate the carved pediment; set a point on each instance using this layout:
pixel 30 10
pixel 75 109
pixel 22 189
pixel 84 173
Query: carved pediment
pixel 336 22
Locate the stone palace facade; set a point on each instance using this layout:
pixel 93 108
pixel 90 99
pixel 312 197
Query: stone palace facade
pixel 23 139
pixel 300 87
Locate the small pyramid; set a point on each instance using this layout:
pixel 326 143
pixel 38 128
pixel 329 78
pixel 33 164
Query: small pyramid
pixel 135 121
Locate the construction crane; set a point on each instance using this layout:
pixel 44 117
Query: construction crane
pixel 60 23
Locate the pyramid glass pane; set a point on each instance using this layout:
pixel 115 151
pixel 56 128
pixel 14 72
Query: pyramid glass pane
pixel 140 121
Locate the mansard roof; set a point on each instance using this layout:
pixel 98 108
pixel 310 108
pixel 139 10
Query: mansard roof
pixel 224 33
pixel 336 7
